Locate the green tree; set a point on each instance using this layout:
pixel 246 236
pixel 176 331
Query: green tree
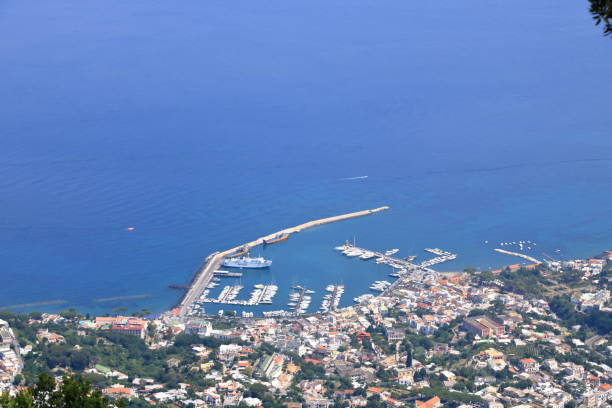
pixel 601 10
pixel 73 392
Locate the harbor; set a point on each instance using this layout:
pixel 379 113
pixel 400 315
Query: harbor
pixel 235 264
pixel 206 272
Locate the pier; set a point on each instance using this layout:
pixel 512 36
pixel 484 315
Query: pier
pixel 527 257
pixel 366 254
pixel 299 301
pixel 215 260
pixel 228 274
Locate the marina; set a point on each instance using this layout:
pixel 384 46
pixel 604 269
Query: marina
pixel 443 256
pixel 262 294
pixel 386 257
pixel 380 286
pixel 299 299
pixel 202 278
pixel 331 301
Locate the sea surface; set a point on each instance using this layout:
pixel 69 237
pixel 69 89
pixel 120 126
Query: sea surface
pixel 206 124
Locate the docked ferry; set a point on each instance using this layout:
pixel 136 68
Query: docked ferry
pixel 246 262
pixel 277 238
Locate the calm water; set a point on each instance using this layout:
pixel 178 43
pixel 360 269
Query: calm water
pixel 205 124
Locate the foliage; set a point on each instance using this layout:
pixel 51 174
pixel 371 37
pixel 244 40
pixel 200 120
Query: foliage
pixel 597 320
pixel 447 396
pixel 73 392
pixel 601 10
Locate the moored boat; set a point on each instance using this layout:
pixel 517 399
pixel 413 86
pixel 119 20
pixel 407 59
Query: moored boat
pixel 239 252
pixel 245 262
pixel 277 238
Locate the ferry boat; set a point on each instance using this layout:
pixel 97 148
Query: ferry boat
pixel 277 238
pixel 239 252
pixel 246 262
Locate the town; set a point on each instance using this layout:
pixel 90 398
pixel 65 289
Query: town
pixel 522 336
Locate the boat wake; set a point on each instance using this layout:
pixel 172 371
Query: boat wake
pixel 354 178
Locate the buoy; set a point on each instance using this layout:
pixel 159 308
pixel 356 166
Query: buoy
pixel 130 228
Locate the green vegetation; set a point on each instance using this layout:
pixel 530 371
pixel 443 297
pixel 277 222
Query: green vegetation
pixel 73 392
pixel 599 321
pixel 523 281
pixel 601 10
pixel 449 398
pixel 125 353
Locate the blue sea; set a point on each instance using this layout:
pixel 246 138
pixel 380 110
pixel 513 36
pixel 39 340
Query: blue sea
pixel 206 124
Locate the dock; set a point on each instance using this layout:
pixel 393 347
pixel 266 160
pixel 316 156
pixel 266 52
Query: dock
pixel 527 257
pixel 214 261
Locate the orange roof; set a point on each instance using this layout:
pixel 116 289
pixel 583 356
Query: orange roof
pixel 391 400
pixel 515 266
pixel 292 368
pixel 374 389
pixel 118 390
pixel 605 387
pixel 528 361
pixel 434 402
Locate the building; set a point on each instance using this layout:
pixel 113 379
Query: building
pixel 483 326
pixel 122 324
pixel 395 334
pixel 318 402
pixel 529 365
pixel 271 366
pixel 50 337
pixel 431 403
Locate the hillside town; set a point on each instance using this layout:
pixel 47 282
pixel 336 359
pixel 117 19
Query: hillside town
pixel 473 339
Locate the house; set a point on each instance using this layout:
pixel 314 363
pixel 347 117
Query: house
pixel 315 402
pixel 358 401
pixel 118 391
pixel 45 334
pixel 363 335
pixel 431 403
pixel 599 396
pixel 395 334
pixel 529 365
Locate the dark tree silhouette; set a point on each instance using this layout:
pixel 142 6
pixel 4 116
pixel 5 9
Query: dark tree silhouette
pixel 602 14
pixel 73 392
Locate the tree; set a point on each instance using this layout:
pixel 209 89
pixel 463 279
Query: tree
pixel 408 348
pixel 601 10
pixel 73 392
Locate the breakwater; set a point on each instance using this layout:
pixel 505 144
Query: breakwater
pixel 527 257
pixel 214 261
